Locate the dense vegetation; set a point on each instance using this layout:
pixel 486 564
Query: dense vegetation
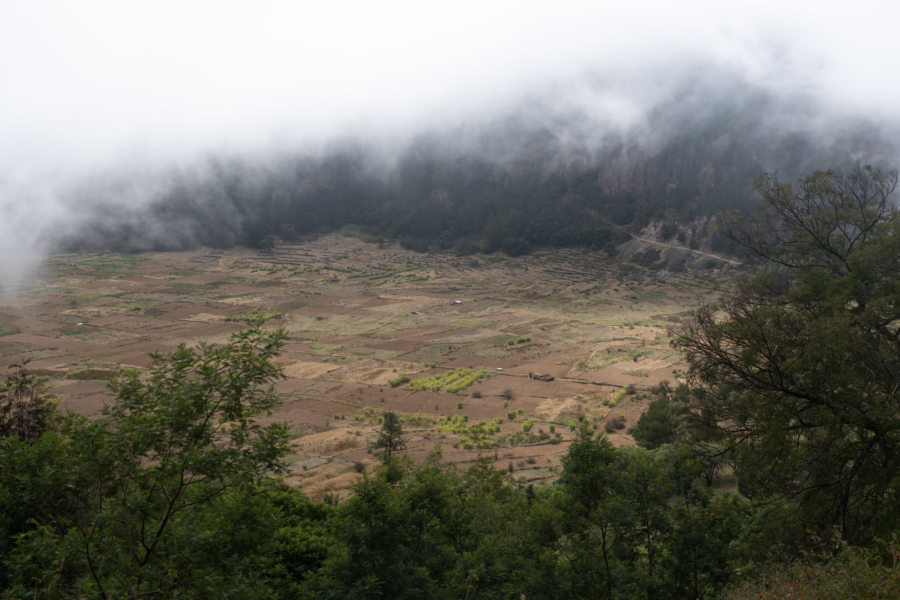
pixel 793 391
pixel 537 177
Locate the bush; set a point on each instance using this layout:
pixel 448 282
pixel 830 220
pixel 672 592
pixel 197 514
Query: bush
pixel 260 314
pixel 268 242
pixel 855 573
pixel 399 380
pixel 615 424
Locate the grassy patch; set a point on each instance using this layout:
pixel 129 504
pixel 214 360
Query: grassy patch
pixel 638 372
pixel 397 381
pixel 466 323
pixel 88 297
pixel 8 331
pixel 110 263
pixel 260 313
pixel 134 306
pixel 92 374
pixel 452 381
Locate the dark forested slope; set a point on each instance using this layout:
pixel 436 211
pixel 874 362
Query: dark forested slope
pixel 542 174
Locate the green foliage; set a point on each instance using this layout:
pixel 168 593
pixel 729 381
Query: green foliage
pixel 639 525
pixel 453 380
pixel 614 423
pixel 260 314
pixel 797 371
pixel 92 373
pixel 853 574
pixel 268 242
pixel 110 263
pixel 155 496
pixel 399 380
pixel 390 438
pixel 659 425
pixel 27 407
pixel 8 331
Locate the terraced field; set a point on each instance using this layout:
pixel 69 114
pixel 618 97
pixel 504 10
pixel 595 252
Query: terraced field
pixel 359 316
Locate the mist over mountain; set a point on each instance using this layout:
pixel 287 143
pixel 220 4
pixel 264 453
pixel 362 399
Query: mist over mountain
pixel 552 170
pixel 475 126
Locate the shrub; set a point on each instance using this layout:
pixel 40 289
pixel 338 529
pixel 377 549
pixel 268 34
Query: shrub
pixel 260 314
pixel 399 381
pixel 615 424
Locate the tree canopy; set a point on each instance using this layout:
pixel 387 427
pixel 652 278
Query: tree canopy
pixel 153 497
pixel 798 370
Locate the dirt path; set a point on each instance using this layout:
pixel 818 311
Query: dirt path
pixel 730 261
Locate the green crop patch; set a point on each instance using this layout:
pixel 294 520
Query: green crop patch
pixel 110 263
pixel 451 381
pixel 263 314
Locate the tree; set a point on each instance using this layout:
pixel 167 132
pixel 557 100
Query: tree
pixel 798 369
pixel 637 523
pixel 391 438
pixel 659 425
pixel 156 497
pixel 27 407
pixel 268 243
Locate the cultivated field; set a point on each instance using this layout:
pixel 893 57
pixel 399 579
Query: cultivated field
pixel 358 316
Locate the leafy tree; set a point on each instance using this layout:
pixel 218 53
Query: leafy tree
pixel 268 242
pixel 156 497
pixel 798 370
pixel 639 524
pixel 590 472
pixel 390 438
pixel 659 425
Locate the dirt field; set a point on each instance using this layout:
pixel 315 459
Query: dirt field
pixel 359 315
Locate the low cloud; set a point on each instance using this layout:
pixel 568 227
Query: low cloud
pixel 103 101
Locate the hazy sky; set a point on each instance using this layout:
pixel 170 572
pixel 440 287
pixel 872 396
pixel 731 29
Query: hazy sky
pixel 82 81
pixel 91 83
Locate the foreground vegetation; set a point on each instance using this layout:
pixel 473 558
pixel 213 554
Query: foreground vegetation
pixel 174 490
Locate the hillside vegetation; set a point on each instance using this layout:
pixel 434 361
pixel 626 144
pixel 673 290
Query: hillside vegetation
pixel 538 176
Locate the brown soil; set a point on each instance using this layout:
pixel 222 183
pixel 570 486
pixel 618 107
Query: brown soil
pixel 358 316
